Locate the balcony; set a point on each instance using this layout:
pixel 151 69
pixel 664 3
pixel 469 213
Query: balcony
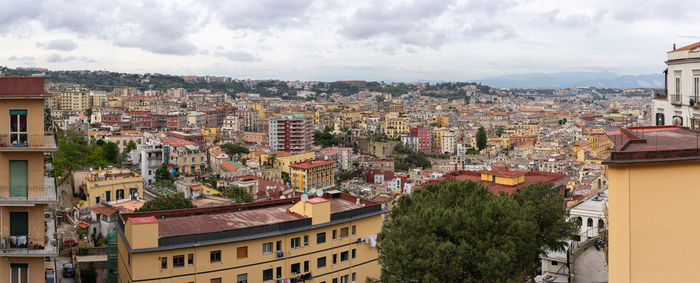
pixel 26 246
pixel 676 100
pixel 27 142
pixel 30 194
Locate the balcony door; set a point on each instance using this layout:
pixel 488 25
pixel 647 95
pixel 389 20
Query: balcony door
pixel 18 127
pixel 19 273
pixel 18 178
pixel 19 229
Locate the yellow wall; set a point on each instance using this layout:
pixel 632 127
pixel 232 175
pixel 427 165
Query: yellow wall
pixel 142 235
pixel 147 265
pixel 321 175
pixel 98 188
pixel 503 180
pixel 35 217
pixel 35 118
pixel 35 174
pixel 35 272
pixel 283 162
pixel 651 213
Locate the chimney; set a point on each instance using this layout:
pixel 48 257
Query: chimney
pixel 674 46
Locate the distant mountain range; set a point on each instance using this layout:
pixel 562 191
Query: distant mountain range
pixel 575 79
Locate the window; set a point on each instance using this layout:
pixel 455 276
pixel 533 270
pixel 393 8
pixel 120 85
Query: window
pixel 242 278
pixel 164 262
pixel 696 88
pixel 335 234
pixel 178 261
pixel 190 259
pixel 335 258
pixel 97 199
pixel 678 90
pixel 344 232
pixel 18 127
pixel 267 248
pixel 590 222
pixel 321 238
pixel 296 268
pixel 321 262
pixel 353 277
pixel 660 121
pixel 108 196
pixel 279 246
pixel 555 263
pixel 279 272
pixel 354 230
pixel 242 252
pixel 306 240
pixel 344 256
pixel 120 194
pixel 296 243
pixel 215 280
pixel 354 253
pixel 215 256
pixel 344 279
pixel 267 274
pixel 306 266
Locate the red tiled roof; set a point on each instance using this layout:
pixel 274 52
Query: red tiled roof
pixel 503 171
pixel 101 209
pixel 317 200
pixel 228 166
pixel 688 47
pixel 175 142
pixel 311 164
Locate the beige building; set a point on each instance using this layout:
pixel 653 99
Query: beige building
pixel 325 239
pixel 114 184
pixel 74 100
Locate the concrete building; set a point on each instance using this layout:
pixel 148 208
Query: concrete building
pixel 293 133
pixel 652 205
pixel 112 185
pixel 74 100
pixel 148 158
pixel 184 157
pixel 678 104
pixel 312 174
pixel 27 188
pixel 325 239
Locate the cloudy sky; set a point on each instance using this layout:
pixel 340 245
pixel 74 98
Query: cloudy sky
pixel 454 40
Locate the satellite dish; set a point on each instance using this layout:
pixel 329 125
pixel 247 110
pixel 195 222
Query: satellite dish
pixel 319 193
pixel 283 197
pixel 312 191
pixel 488 167
pixel 304 197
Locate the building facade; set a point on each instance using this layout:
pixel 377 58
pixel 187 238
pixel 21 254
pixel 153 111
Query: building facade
pixel 28 231
pixel 293 133
pixel 325 239
pixel 112 185
pixel 312 174
pixel 678 104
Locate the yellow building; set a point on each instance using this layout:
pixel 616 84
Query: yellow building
pixel 501 143
pixel 74 99
pixel 185 158
pixel 442 121
pixel 653 205
pixel 211 135
pixel 325 239
pixel 395 128
pixel 112 185
pixel 28 229
pixel 283 159
pixel 528 130
pixel 312 174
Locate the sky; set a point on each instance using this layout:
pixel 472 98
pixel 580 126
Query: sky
pixel 419 40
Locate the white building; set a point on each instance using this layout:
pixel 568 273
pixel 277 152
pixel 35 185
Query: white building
pixel 148 158
pixel 678 105
pixel 590 213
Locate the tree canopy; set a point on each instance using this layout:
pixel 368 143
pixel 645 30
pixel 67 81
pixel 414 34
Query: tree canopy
pixel 239 194
pixel 461 232
pixel 233 149
pixel 75 154
pixel 481 138
pixel 166 202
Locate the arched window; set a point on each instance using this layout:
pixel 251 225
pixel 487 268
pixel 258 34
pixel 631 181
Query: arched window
pixel 601 224
pixel 580 220
pixel 590 222
pixel 660 121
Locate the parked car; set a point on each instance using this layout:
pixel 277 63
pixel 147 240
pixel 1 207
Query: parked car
pixel 70 242
pixel 68 270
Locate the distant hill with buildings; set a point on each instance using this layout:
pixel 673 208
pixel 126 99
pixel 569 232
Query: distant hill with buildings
pixel 575 79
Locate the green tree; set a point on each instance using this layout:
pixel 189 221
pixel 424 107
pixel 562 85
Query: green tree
pixel 286 178
pixel 110 152
pixel 163 174
pixel 129 147
pixel 167 202
pixel 233 149
pixel 481 138
pixel 239 194
pixel 461 232
pixel 499 131
pixel 88 275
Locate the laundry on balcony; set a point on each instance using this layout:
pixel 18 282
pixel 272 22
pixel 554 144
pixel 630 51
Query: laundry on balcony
pixel 371 239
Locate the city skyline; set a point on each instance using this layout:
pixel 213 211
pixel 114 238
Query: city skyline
pixel 334 40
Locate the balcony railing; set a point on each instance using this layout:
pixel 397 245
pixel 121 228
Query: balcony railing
pixel 676 99
pixel 27 141
pixel 23 245
pixel 46 193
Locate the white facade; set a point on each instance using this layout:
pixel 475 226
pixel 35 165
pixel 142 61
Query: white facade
pixel 591 214
pixel 680 105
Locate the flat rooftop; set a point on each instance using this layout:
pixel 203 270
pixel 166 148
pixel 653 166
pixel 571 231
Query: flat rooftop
pixel 657 144
pixel 198 221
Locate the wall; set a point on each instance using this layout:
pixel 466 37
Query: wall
pixel 651 211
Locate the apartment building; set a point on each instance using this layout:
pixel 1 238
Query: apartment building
pixel 74 100
pixel 324 239
pixel 395 128
pixel 28 235
pixel 678 104
pixel 184 157
pixel 148 158
pixel 652 205
pixel 312 174
pixel 112 184
pixel 293 133
pixel 424 136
